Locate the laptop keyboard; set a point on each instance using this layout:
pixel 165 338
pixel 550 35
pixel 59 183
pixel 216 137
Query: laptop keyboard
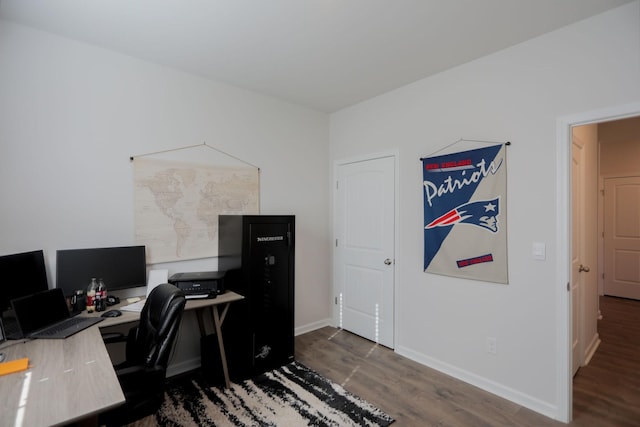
pixel 11 328
pixel 61 326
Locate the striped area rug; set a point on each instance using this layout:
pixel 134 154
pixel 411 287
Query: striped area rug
pixel 292 395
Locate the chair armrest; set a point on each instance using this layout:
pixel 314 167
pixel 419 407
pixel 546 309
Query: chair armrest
pixel 113 337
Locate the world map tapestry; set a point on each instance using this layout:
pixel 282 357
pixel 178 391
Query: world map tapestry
pixel 176 206
pixel 465 215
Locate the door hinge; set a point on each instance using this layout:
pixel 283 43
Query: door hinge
pixel 335 301
pixel 336 243
pixel 568 287
pixel 337 184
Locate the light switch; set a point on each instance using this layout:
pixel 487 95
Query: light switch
pixel 539 251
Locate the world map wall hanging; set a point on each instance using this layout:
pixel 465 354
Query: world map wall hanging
pixel 177 203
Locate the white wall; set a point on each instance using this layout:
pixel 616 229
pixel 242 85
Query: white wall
pixel 72 114
pixel 517 95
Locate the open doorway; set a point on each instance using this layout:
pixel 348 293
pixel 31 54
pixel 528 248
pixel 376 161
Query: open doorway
pixel 606 230
pixel 620 128
pixel 619 183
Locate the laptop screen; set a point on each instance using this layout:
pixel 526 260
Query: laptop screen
pixel 39 310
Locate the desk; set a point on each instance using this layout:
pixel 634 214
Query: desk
pixel 73 379
pixel 200 306
pixel 68 380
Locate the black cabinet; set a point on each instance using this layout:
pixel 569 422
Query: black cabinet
pixel 257 254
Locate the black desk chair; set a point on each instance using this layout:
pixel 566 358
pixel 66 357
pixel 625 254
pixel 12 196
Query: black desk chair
pixel 148 346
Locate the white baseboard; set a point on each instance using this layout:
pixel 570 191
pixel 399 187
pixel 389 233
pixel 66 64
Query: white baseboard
pixel 530 402
pixel 591 349
pixel 312 326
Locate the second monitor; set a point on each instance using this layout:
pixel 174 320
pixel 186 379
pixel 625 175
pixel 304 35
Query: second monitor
pixel 121 267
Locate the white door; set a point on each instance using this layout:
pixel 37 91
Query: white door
pixel 364 251
pixel 577 194
pixel 622 237
pixel 584 245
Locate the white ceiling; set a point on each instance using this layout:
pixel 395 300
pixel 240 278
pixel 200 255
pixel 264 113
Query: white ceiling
pixel 323 54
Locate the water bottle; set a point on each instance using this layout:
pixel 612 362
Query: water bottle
pixel 101 296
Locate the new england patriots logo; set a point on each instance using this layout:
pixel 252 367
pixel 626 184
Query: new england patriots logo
pixel 483 213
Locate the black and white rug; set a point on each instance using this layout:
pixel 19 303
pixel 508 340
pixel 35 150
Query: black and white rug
pixel 292 395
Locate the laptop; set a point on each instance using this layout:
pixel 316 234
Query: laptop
pixel 45 315
pixel 2 339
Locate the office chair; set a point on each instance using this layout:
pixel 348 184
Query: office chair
pixel 148 346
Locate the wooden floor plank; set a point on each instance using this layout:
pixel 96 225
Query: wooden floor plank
pixel 606 392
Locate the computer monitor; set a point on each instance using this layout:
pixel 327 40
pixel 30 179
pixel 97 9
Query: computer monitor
pixel 22 274
pixel 120 267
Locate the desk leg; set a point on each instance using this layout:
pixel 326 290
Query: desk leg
pixel 218 325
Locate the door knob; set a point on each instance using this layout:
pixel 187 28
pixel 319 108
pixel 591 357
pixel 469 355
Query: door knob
pixel 387 261
pixel 583 268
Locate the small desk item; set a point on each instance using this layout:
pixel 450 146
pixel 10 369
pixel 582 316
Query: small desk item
pixel 13 366
pixel 156 277
pixel 111 313
pixel 134 306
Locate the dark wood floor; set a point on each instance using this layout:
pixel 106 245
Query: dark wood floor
pixel 606 392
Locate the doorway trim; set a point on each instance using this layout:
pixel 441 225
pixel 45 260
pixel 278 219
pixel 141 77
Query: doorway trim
pixel 564 125
pixel 394 153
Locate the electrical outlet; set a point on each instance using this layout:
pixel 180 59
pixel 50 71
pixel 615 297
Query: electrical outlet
pixel 492 345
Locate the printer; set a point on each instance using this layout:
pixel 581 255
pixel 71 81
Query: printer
pixel 199 284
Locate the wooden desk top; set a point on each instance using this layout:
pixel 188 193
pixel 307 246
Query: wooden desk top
pixel 227 297
pixel 67 380
pixel 133 316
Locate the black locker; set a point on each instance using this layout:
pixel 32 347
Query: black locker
pixel 257 254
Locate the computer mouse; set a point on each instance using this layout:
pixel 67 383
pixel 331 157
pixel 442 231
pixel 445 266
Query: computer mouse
pixel 111 313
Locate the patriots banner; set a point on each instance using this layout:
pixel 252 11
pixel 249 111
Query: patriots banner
pixel 465 216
